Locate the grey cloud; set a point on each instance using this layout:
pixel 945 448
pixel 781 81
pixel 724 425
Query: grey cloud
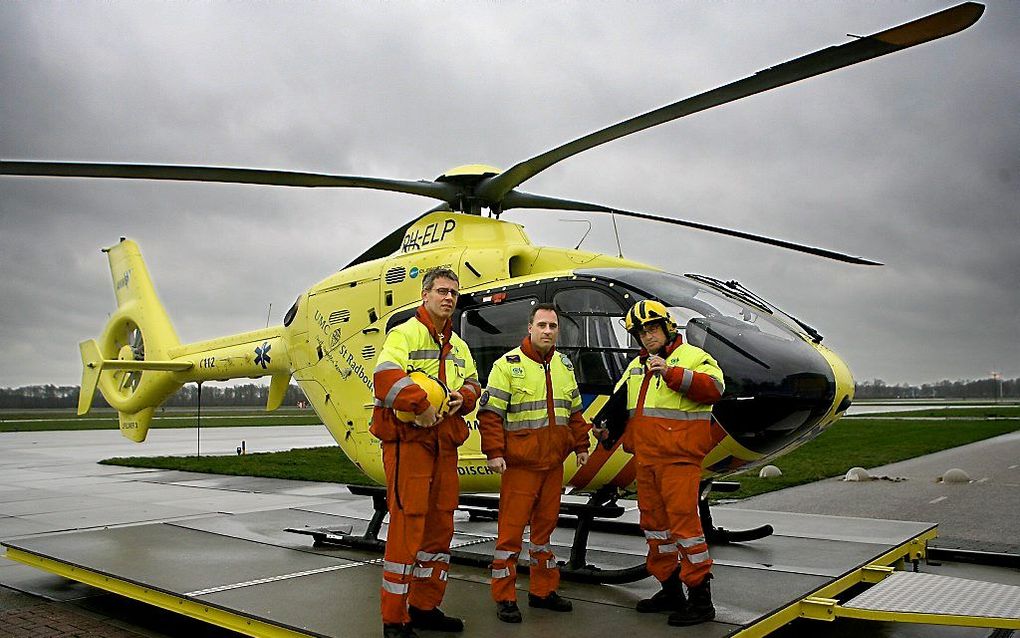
pixel 911 159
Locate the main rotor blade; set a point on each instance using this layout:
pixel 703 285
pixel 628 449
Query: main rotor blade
pixel 436 190
pixel 391 243
pixel 518 199
pixel 922 30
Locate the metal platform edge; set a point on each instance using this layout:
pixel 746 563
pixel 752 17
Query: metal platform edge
pixel 204 612
pixel 914 549
pixel 810 606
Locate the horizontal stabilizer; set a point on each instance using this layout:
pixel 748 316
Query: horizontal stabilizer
pixel 93 364
pixel 168 366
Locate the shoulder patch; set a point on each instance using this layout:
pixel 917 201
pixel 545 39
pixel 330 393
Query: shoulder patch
pixel 566 361
pixel 513 358
pixel 483 399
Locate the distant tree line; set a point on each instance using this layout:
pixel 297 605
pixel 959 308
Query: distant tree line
pixel 66 396
pixel 251 394
pixel 968 389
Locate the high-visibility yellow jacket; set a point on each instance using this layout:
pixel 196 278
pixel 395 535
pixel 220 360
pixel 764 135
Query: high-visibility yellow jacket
pixel 530 412
pixel 417 345
pixel 671 415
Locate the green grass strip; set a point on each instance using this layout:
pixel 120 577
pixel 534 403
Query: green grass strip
pixel 324 464
pixel 866 443
pixel 869 443
pixel 981 412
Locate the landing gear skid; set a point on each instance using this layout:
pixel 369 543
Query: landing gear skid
pixel 720 535
pixel 583 517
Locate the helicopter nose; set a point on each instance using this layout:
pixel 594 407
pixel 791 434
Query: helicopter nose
pixel 844 395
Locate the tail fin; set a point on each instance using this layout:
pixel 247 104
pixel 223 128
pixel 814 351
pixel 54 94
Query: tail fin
pixel 134 348
pixel 138 362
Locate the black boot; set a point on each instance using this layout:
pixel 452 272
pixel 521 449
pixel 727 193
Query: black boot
pixel 669 598
pixel 396 630
pixel 508 611
pixel 434 619
pixel 699 607
pixel 553 602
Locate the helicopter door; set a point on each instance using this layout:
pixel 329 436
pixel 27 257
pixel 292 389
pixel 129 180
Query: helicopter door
pixel 492 330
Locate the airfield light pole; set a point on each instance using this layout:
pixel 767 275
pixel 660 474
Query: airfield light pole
pixel 997 378
pixel 198 451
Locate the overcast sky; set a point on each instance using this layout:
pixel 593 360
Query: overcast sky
pixel 912 159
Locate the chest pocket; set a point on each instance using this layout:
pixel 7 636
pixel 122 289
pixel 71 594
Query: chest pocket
pixel 521 390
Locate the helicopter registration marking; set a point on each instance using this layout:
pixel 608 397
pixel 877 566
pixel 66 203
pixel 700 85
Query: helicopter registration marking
pixel 431 234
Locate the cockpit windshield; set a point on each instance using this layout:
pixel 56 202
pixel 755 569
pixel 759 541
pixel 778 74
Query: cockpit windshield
pixel 689 300
pixel 778 385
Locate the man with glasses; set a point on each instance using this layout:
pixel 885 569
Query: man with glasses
pixel 420 456
pixel 671 386
pixel 530 421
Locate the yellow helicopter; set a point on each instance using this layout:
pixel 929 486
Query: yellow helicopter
pixel 783 387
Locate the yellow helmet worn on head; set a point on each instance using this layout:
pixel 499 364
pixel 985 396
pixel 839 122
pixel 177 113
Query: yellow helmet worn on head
pixel 649 311
pixel 439 395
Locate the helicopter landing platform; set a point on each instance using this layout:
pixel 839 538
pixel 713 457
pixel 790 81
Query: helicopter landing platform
pixel 244 573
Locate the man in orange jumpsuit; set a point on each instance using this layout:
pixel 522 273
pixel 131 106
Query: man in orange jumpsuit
pixel 420 457
pixel 671 387
pixel 530 421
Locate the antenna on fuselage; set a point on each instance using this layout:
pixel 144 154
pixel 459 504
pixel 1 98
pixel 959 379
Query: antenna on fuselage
pixel 617 231
pixel 585 232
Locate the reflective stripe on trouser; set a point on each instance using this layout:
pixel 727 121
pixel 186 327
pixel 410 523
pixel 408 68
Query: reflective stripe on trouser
pixel 527 495
pixel 668 500
pixel 420 528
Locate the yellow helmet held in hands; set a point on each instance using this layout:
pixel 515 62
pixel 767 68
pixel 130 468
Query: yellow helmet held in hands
pixel 438 393
pixel 649 311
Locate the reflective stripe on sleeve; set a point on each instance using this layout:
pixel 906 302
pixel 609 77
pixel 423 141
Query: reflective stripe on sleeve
pixel 657 534
pixel 422 572
pixel 501 573
pixel 667 548
pixel 498 394
pixel 395 389
pixel 488 407
pixel 387 365
pixel 688 378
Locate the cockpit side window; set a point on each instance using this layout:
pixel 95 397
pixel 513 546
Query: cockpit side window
pixel 490 331
pixel 593 336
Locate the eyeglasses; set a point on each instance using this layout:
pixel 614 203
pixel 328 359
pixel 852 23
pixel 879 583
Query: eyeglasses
pixel 648 328
pixel 442 292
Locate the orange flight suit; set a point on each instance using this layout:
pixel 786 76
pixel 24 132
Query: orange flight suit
pixel 422 489
pixel 534 451
pixel 670 431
